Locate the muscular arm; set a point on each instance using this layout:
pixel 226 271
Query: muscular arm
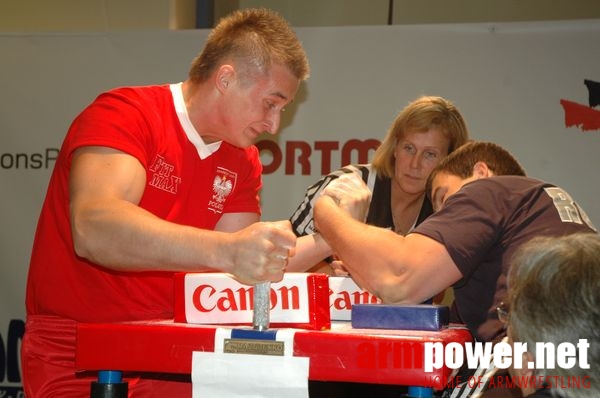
pixel 396 269
pixel 310 250
pixel 110 229
pixel 232 222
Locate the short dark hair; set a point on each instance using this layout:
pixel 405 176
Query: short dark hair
pixel 462 161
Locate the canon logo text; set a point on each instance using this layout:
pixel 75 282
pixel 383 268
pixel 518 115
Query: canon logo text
pixel 206 298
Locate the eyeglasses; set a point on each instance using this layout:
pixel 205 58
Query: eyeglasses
pixel 503 313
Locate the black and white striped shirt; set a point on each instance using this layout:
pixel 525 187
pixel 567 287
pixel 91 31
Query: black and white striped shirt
pixel 380 211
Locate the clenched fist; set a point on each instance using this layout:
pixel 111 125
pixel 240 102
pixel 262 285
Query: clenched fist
pixel 351 194
pixel 260 251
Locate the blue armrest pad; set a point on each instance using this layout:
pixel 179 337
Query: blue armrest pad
pixel 402 317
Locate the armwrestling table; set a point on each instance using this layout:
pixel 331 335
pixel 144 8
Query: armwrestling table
pixel 339 354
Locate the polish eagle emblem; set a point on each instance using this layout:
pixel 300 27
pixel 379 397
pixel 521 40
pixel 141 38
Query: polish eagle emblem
pixel 221 187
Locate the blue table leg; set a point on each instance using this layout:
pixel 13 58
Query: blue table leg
pixel 420 392
pixel 109 385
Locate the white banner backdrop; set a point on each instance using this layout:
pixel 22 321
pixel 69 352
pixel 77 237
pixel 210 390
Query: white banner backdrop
pixel 507 79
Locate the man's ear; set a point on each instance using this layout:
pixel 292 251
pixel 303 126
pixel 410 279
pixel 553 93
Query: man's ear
pixel 481 170
pixel 224 77
pixel 528 358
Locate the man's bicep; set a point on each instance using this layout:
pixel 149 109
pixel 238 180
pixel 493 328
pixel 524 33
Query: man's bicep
pixel 103 173
pixel 434 270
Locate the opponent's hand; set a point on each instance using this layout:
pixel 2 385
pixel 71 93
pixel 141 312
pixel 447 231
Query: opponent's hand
pixel 351 194
pixel 338 269
pixel 261 251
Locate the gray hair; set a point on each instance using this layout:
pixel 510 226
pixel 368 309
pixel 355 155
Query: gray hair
pixel 554 297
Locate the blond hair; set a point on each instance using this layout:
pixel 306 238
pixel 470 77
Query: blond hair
pixel 421 115
pixel 254 39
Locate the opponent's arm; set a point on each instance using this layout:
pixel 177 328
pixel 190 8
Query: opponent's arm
pixel 396 269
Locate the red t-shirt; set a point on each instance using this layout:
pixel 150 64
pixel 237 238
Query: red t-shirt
pixel 180 187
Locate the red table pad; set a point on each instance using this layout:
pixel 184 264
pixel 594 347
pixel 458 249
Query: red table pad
pixel 339 354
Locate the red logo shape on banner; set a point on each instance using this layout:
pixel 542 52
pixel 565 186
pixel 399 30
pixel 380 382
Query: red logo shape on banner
pixel 583 116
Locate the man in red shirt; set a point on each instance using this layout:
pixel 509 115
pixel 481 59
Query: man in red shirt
pixel 155 180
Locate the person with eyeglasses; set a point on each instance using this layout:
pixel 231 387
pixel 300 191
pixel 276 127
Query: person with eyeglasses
pixel 485 208
pixel 554 296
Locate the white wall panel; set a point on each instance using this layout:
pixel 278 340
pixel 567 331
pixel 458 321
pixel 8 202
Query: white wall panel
pixel 508 80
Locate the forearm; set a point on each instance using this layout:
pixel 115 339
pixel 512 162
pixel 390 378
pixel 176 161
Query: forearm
pixel 368 253
pixel 125 237
pixel 310 250
pixel 344 241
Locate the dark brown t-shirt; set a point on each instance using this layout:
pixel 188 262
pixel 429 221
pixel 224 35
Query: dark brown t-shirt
pixel 483 224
